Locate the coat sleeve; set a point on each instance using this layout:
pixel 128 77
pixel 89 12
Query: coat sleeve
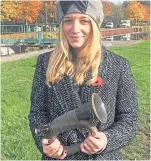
pixel 38 112
pixel 126 122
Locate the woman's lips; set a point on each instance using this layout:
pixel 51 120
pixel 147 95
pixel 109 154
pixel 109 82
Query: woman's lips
pixel 75 38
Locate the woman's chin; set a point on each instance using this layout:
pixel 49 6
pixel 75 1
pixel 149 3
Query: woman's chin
pixel 76 45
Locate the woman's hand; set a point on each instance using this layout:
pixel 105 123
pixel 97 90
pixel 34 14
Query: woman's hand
pixel 53 148
pixel 94 143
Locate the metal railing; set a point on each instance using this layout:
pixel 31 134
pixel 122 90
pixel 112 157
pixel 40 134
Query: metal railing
pixel 31 34
pixel 36 34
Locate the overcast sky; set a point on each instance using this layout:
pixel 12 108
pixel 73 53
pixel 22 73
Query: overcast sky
pixel 116 1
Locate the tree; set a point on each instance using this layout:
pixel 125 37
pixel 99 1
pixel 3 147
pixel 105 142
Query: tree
pixel 29 10
pixel 8 10
pixel 107 6
pixel 114 13
pixel 20 10
pixel 135 11
pixel 48 10
pixel 117 14
pixel 144 2
pixel 50 7
pixel 125 4
pixel 147 13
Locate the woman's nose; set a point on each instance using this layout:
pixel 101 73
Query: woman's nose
pixel 75 27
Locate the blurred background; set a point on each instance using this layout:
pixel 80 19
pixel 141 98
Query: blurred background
pixel 31 25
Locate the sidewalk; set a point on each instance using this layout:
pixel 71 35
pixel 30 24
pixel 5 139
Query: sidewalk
pixel 121 43
pixel 21 56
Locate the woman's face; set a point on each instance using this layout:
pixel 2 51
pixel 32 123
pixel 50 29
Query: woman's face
pixel 77 29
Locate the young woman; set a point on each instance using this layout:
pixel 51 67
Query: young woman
pixel 68 76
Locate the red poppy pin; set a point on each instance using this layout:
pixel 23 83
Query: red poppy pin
pixel 98 82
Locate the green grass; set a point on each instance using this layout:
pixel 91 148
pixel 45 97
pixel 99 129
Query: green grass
pixel 16 141
pixel 139 58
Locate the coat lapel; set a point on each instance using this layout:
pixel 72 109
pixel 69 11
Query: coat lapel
pixel 66 94
pixel 86 91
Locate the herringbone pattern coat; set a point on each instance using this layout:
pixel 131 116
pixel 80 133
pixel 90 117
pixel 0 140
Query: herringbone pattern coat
pixel 117 92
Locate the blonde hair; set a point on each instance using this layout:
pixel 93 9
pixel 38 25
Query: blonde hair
pixel 61 59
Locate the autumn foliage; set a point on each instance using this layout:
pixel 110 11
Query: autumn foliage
pixel 107 6
pixel 28 11
pixel 25 10
pixel 20 10
pixel 147 13
pixel 49 7
pixel 137 11
pixel 9 10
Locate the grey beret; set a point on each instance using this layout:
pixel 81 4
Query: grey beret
pixel 93 8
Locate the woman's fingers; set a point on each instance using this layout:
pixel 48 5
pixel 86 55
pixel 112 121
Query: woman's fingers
pixel 50 148
pixel 53 148
pixel 48 141
pixel 87 147
pixel 96 140
pixel 61 153
pixel 93 143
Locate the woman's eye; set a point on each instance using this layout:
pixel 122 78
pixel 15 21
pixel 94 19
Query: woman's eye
pixel 85 21
pixel 67 21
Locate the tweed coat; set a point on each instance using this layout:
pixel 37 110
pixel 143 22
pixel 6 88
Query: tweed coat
pixel 118 93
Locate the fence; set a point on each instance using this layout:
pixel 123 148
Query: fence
pixel 48 33
pixel 29 34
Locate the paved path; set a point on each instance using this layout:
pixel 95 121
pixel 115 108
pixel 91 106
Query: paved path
pixel 121 43
pixel 20 56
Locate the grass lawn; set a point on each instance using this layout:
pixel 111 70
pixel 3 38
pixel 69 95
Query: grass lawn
pixel 16 140
pixel 139 57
